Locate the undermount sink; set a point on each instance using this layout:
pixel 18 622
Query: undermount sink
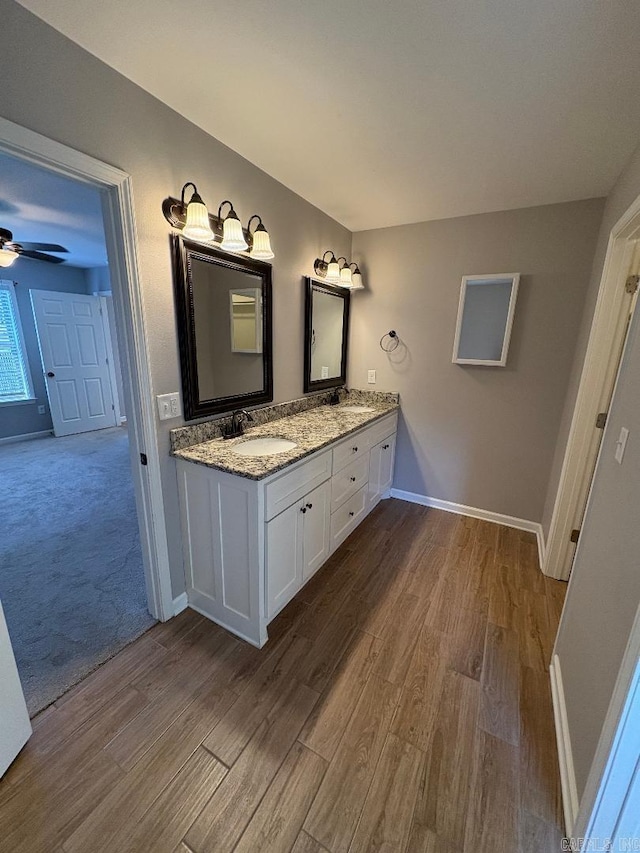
pixel 263 446
pixel 357 409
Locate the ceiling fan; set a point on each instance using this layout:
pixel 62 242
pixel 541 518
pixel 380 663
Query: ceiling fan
pixel 9 250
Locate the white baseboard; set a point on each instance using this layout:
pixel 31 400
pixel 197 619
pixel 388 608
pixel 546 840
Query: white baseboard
pixel 180 603
pixel 565 756
pixel 27 436
pixel 474 512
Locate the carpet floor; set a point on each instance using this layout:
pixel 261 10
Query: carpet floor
pixel 71 575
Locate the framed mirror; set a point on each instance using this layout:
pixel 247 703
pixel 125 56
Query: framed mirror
pixel 326 333
pixel 485 317
pixel 224 329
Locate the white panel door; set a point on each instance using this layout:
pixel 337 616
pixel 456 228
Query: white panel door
pixel 317 529
pixel 74 359
pixel 15 728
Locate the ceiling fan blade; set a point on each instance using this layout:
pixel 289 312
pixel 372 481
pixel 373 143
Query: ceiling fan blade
pixel 43 247
pixel 40 256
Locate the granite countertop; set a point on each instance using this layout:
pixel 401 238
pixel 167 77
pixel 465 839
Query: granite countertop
pixel 311 431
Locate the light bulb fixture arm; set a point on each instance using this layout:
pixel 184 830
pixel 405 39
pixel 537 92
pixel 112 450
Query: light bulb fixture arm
pixel 195 192
pixel 231 210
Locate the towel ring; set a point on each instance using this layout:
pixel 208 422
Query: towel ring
pixel 392 344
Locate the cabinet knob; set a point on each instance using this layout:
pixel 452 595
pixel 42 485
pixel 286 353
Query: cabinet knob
pixel 355 449
pixel 352 513
pixel 309 506
pixel 303 509
pixel 353 479
pixel 385 446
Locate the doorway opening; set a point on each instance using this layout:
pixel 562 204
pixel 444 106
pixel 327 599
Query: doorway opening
pixel 114 187
pixel 616 302
pixel 72 581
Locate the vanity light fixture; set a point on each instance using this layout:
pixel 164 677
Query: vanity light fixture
pixel 196 226
pixel 331 271
pixel 232 236
pixel 196 223
pixel 261 244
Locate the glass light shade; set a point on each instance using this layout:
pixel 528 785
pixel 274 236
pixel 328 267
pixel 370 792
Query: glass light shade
pixel 261 248
pixel 345 277
pixel 197 225
pixel 7 257
pixel 333 271
pixel 356 281
pixel 232 236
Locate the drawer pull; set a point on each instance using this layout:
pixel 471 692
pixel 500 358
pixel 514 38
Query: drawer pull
pixel 309 506
pixel 303 509
pixel 353 479
pixel 385 446
pixel 355 449
pixel 352 513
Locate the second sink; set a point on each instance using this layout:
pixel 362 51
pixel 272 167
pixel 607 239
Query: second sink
pixel 263 446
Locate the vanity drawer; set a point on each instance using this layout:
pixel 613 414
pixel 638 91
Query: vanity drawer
pixel 347 517
pixel 355 447
pixel 381 430
pixel 290 487
pixel 347 481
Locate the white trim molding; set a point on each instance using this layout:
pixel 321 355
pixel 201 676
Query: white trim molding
pixel 607 334
pixel 475 512
pixel 565 755
pixel 25 436
pixel 180 603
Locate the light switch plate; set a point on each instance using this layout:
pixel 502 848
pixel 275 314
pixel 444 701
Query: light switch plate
pixel 621 443
pixel 371 377
pixel 169 406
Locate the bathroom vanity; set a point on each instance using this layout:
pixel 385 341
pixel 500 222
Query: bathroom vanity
pixel 256 528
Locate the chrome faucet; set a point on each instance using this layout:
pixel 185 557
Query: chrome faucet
pixel 235 428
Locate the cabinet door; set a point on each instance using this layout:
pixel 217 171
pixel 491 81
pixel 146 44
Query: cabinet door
pixel 317 524
pixel 387 456
pixel 284 557
pixel 375 462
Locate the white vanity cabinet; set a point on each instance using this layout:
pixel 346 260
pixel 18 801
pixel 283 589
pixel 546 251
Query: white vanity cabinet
pixel 250 545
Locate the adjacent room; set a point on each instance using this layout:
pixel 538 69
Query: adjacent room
pixel 72 583
pixel 352 563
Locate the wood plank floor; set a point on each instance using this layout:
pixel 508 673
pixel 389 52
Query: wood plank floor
pixel 401 704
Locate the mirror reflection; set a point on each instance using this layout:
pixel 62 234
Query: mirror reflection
pixel 327 310
pixel 224 329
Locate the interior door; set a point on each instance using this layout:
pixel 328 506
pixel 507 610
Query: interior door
pixel 74 359
pixel 15 727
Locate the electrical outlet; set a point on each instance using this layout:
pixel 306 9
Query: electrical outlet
pixel 41 410
pixel 371 377
pixel 169 406
pixel 324 373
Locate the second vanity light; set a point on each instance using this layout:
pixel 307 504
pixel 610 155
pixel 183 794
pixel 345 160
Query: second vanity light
pixel 196 223
pixel 330 270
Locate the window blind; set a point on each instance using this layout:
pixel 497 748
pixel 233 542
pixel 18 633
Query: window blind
pixel 14 377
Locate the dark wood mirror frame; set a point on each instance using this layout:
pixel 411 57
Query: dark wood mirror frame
pixel 183 251
pixel 322 287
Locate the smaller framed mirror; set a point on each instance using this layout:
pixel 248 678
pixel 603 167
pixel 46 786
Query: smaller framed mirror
pixel 485 317
pixel 326 334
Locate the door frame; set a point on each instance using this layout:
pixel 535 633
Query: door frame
pixel 598 375
pixel 116 191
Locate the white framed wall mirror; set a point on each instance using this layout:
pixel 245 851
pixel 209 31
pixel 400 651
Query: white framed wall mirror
pixel 485 317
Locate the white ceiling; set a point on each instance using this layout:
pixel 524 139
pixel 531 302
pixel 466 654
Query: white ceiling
pixel 382 113
pixel 39 206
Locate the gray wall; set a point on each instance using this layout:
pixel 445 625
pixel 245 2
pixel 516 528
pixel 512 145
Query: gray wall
pixel 626 190
pixel 23 418
pixel 479 436
pixel 57 89
pixel 604 591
